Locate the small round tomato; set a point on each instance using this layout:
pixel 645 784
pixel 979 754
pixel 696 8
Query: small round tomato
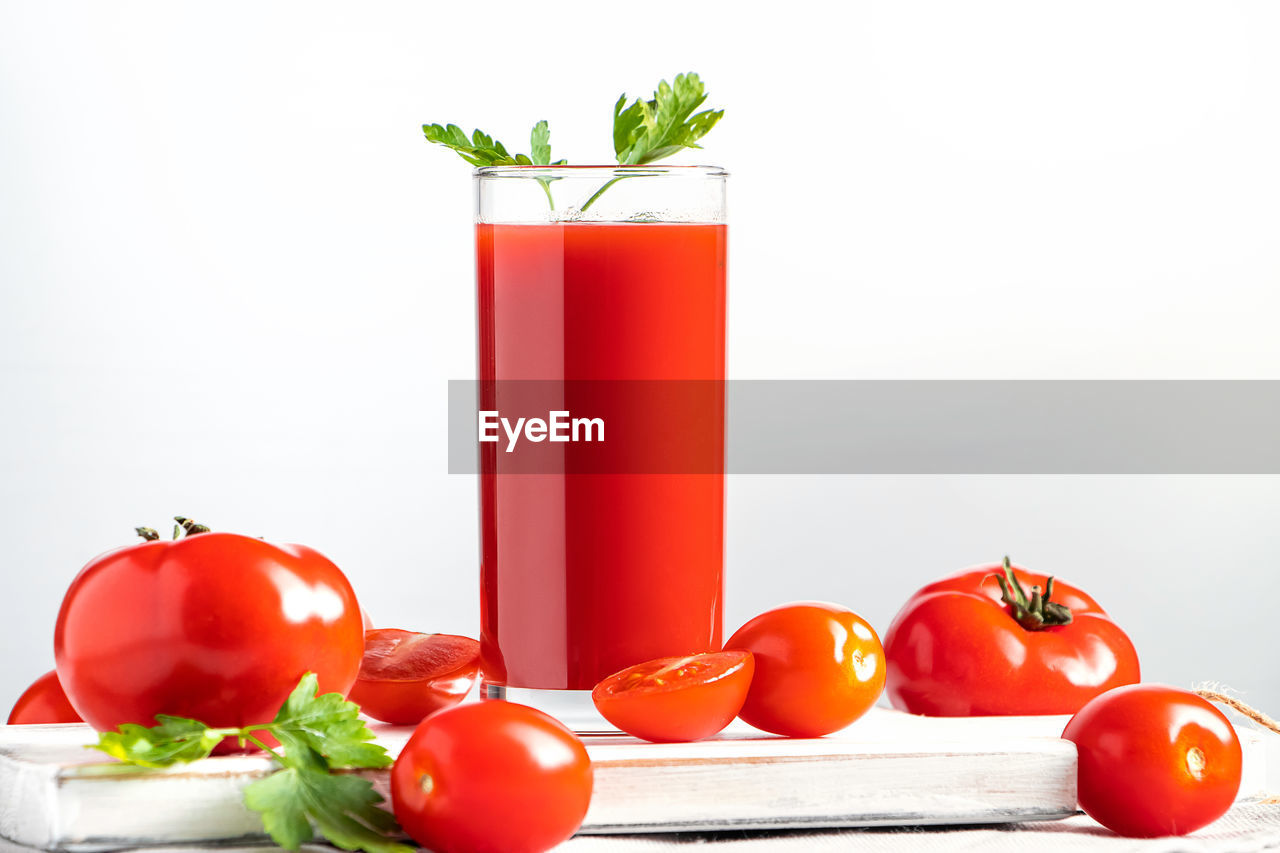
pixel 43 702
pixel 678 698
pixel 1154 760
pixel 491 777
pixel 819 667
pixel 406 675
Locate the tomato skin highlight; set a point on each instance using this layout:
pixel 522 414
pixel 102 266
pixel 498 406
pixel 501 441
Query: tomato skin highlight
pixel 405 675
pixel 819 667
pixel 491 777
pixel 215 626
pixel 1154 760
pixel 43 702
pixel 955 650
pixel 677 698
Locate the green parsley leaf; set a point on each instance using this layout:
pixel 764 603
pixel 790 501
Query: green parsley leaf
pixel 344 808
pixel 319 733
pixel 174 740
pixel 278 798
pixel 481 149
pixel 540 144
pixel 647 131
pixel 328 724
pixel 478 150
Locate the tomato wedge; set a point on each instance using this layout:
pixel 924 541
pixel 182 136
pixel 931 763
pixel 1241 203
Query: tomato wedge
pixel 405 675
pixel 677 698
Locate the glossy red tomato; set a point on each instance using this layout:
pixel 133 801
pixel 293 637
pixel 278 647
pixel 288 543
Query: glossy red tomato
pixel 215 626
pixel 406 675
pixel 678 698
pixel 491 777
pixel 43 702
pixel 819 667
pixel 1154 760
pixel 960 648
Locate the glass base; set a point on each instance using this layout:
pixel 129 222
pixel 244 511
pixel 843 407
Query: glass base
pixel 574 708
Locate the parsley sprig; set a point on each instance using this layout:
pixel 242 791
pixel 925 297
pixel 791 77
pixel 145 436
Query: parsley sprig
pixel 481 149
pixel 319 734
pixel 643 132
pixel 651 130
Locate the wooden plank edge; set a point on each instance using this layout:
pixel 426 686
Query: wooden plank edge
pixel 28 803
pixel 895 819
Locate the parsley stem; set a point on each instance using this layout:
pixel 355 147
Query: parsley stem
pixel 600 191
pixel 247 735
pixel 546 188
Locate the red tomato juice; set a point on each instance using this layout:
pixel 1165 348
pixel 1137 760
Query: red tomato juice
pixel 583 574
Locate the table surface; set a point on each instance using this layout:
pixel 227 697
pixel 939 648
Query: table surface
pixel 1248 827
pixel 1251 825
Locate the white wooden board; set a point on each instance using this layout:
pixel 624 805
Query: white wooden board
pixel 886 769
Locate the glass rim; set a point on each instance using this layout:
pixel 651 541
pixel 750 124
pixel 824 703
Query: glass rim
pixel 598 170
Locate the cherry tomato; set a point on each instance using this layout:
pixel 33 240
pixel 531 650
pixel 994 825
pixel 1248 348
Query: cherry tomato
pixel 1154 760
pixel 819 667
pixel 678 698
pixel 491 777
pixel 43 702
pixel 214 626
pixel 405 675
pixel 963 646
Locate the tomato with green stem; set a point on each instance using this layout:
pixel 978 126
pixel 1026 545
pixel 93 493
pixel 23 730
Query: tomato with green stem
pixel 1154 760
pixel 211 626
pixel 818 667
pixel 43 702
pixel 491 777
pixel 1000 640
pixel 677 698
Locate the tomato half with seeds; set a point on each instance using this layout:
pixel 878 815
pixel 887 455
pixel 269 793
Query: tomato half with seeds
pixel 819 667
pixel 43 702
pixel 405 675
pixel 491 777
pixel 677 698
pixel 1154 760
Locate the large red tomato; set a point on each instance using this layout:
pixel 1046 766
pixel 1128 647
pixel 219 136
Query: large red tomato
pixel 215 626
pixel 1000 640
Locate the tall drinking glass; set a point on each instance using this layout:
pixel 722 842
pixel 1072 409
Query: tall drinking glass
pixel 603 275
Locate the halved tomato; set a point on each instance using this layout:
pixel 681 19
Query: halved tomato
pixel 405 675
pixel 678 698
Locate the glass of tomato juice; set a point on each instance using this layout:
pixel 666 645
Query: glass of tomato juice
pixel 613 276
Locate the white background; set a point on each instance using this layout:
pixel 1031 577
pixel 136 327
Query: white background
pixel 234 280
